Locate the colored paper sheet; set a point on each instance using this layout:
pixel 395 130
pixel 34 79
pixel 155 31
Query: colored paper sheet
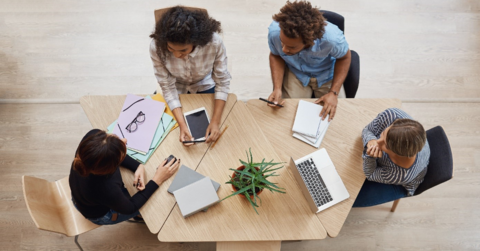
pixel 141 138
pixel 159 97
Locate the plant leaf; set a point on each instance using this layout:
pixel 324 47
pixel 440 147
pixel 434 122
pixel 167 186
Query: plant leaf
pixel 254 205
pixel 272 189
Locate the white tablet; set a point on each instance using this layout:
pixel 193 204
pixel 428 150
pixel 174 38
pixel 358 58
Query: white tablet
pixel 197 122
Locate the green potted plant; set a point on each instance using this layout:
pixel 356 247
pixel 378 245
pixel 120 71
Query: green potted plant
pixel 250 179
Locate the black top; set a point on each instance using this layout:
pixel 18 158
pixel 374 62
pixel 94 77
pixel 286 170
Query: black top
pixel 95 195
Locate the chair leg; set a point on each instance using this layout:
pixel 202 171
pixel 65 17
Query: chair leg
pixel 76 242
pixel 395 203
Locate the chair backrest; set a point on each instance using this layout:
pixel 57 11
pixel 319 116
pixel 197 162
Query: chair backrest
pixel 335 19
pixel 51 208
pixel 159 13
pixel 440 166
pixel 353 77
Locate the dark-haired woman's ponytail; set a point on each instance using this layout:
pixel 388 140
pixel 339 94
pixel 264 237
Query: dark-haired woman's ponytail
pixel 79 166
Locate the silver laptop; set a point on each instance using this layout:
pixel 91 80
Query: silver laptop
pixel 319 181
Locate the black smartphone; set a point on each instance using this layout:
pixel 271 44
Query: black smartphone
pixel 170 159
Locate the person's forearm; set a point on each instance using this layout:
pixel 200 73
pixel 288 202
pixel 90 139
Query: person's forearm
pixel 367 135
pixel 342 65
pixel 277 68
pixel 129 163
pixel 218 110
pixel 369 166
pixel 178 114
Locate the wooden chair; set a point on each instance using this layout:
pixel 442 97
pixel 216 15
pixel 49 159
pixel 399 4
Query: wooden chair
pixel 51 208
pixel 439 170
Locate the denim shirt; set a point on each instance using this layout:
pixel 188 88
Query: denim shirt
pixel 317 61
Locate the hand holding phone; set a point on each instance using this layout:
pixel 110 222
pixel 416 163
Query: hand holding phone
pixel 170 159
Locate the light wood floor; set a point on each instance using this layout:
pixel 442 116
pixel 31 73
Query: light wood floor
pixel 52 52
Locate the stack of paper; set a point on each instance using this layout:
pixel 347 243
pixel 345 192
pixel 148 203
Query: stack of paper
pixel 138 121
pixel 193 191
pixel 164 126
pixel 158 97
pixel 308 125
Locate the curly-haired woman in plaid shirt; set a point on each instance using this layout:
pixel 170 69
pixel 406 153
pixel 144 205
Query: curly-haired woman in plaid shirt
pixel 188 56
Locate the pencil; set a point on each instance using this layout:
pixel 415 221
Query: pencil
pixel 224 129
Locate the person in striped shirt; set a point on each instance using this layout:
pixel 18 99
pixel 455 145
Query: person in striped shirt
pixel 396 150
pixel 189 56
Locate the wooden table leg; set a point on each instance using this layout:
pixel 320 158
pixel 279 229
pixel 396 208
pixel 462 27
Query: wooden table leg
pixel 249 245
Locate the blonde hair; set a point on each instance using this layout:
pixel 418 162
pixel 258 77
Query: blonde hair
pixel 406 137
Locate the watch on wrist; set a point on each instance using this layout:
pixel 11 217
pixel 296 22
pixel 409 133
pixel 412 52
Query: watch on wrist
pixel 334 92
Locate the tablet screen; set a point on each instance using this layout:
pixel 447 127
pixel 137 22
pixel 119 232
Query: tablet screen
pixel 198 124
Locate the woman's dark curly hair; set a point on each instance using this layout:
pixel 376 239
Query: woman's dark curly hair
pixel 180 25
pixel 300 19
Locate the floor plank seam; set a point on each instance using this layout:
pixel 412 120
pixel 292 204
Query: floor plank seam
pixel 67 101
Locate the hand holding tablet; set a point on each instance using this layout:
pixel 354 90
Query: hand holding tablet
pixel 197 122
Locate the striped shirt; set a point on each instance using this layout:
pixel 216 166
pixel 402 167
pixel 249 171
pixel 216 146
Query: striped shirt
pixel 383 170
pixel 204 68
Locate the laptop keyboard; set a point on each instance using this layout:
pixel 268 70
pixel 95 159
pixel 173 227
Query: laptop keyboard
pixel 314 182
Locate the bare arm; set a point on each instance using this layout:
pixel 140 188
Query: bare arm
pixel 184 133
pixel 340 71
pixel 277 68
pixel 330 100
pixel 213 130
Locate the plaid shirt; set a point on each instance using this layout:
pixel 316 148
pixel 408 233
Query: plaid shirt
pixel 204 68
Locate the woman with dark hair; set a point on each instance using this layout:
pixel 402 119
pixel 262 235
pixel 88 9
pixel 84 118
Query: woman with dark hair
pixel 396 151
pixel 97 188
pixel 188 56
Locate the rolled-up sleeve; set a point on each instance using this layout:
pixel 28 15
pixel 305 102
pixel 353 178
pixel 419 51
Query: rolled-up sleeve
pixel 339 43
pixel 273 35
pixel 164 79
pixel 369 163
pixel 220 73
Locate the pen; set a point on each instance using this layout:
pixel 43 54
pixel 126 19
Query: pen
pixel 270 102
pixel 193 141
pixel 219 136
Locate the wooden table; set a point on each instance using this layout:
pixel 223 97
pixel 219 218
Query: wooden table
pixel 280 216
pixel 343 143
pixel 233 224
pixel 103 110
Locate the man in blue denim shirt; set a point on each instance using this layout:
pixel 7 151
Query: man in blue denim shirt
pixel 307 55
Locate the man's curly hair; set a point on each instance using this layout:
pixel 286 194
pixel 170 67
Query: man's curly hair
pixel 300 19
pixel 180 25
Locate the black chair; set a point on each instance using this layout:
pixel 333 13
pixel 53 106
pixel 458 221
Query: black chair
pixel 439 170
pixel 353 77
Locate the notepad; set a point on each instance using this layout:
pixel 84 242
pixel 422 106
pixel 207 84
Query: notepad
pixel 307 120
pixel 196 197
pixel 315 141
